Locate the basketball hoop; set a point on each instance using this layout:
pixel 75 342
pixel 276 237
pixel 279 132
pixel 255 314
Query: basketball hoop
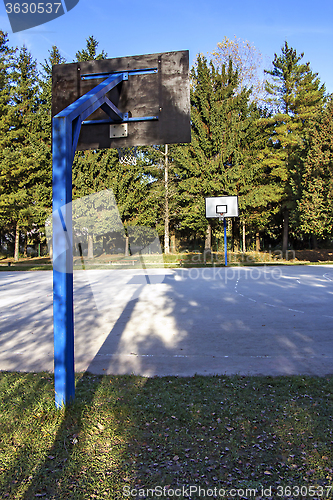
pixel 221 216
pixel 127 156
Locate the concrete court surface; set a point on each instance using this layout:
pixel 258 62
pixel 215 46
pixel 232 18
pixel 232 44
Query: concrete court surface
pixel 246 320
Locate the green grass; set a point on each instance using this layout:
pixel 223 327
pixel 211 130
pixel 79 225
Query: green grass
pixel 138 433
pixel 180 260
pixel 26 267
pixel 26 264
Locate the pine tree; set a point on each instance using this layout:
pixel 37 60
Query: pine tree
pixel 90 52
pixel 296 98
pixel 42 193
pixel 95 171
pixel 23 151
pixel 6 114
pixel 6 67
pixel 162 190
pixel 258 192
pixel 215 162
pixel 87 177
pixel 316 204
pixel 54 58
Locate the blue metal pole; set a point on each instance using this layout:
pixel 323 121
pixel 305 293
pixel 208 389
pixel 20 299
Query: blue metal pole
pixel 65 134
pixel 63 313
pixel 66 130
pixel 225 241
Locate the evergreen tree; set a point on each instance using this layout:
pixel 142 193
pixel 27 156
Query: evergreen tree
pixel 296 98
pixel 259 193
pixel 87 176
pixel 22 156
pixel 90 52
pixel 162 189
pixel 98 170
pixel 316 204
pixel 6 111
pixel 6 67
pixel 95 171
pixel 46 90
pixel 215 162
pixel 42 194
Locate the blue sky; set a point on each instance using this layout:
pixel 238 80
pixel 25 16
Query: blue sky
pixel 129 27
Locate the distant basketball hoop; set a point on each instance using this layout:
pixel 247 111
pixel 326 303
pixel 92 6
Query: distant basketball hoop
pixel 217 205
pixel 222 207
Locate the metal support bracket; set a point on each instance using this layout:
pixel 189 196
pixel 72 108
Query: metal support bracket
pixel 127 73
pixel 118 130
pixel 125 119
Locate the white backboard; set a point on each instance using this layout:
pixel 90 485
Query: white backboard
pixel 228 205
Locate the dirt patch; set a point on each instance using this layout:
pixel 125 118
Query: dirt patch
pixel 320 255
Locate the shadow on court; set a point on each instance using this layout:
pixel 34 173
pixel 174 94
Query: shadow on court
pixel 223 321
pixel 267 320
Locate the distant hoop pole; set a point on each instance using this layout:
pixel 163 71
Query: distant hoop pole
pixel 222 217
pixel 225 242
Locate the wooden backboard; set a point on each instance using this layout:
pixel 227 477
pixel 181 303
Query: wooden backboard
pixel 164 93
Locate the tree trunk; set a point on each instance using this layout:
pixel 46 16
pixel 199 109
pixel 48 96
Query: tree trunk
pixel 90 246
pixel 173 243
pixel 285 232
pixel 166 215
pixel 126 246
pixel 235 235
pixel 25 253
pixel 208 240
pixel 257 241
pixel 244 237
pixel 17 242
pixel 314 243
